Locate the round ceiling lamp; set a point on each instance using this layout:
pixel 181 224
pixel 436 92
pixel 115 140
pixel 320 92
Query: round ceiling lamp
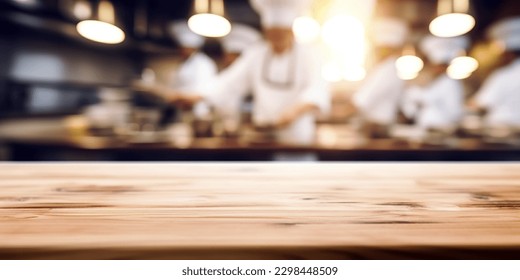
pixel 453 19
pixel 101 32
pixel 462 67
pixel 102 28
pixel 209 20
pixel 409 65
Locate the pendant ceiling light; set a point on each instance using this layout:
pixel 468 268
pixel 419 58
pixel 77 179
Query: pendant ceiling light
pixel 208 19
pixel 462 67
pixel 101 28
pixel 409 65
pixel 453 19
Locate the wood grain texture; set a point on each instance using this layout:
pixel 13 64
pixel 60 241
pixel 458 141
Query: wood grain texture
pixel 260 211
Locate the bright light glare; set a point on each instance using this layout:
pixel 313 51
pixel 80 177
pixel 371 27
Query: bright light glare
pixel 355 74
pixel 462 67
pixel 331 73
pixel 408 67
pixel 209 25
pixel 458 75
pixel 466 63
pixel 407 76
pixel 306 29
pixel 344 32
pixel 452 25
pixel 100 31
pixel 409 64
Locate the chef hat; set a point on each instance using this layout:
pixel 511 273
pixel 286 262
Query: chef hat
pixel 443 50
pixel 280 13
pixel 390 32
pixel 240 38
pixel 185 37
pixel 507 32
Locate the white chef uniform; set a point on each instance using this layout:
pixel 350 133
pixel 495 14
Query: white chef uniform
pixel 278 82
pixel 195 74
pixel 440 104
pixel 237 41
pixel 240 38
pixel 500 94
pixel 379 97
pixel 436 106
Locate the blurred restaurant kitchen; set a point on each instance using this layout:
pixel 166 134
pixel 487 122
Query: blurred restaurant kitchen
pixel 220 80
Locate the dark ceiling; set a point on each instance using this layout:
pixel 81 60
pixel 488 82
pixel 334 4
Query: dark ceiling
pixel 52 16
pixel 156 11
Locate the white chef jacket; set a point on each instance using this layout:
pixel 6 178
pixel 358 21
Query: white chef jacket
pixel 500 94
pixel 437 105
pixel 379 98
pixel 278 82
pixel 193 77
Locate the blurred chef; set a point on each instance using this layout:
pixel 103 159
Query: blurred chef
pixel 377 101
pixel 238 40
pixel 283 76
pixel 234 44
pixel 500 94
pixel 437 101
pixel 193 75
pixel 196 70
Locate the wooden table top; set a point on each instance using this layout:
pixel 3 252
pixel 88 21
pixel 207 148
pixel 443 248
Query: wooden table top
pixel 259 211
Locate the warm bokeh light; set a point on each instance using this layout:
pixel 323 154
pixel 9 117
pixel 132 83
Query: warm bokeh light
pixel 407 76
pixel 466 63
pixel 331 72
pixel 355 74
pixel 209 25
pixel 456 75
pixel 409 63
pixel 306 29
pixel 344 36
pixel 82 10
pixel 344 32
pixel 106 11
pixel 100 31
pixel 452 25
pixel 409 66
pixel 462 67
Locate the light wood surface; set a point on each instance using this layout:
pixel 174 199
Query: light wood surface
pixel 259 211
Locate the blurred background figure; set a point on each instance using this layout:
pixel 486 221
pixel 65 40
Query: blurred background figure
pixel 239 40
pixel 234 44
pixel 377 101
pixel 112 113
pixel 499 97
pixel 284 77
pixel 196 71
pixel 198 80
pixel 193 74
pixel 196 68
pixel 434 100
